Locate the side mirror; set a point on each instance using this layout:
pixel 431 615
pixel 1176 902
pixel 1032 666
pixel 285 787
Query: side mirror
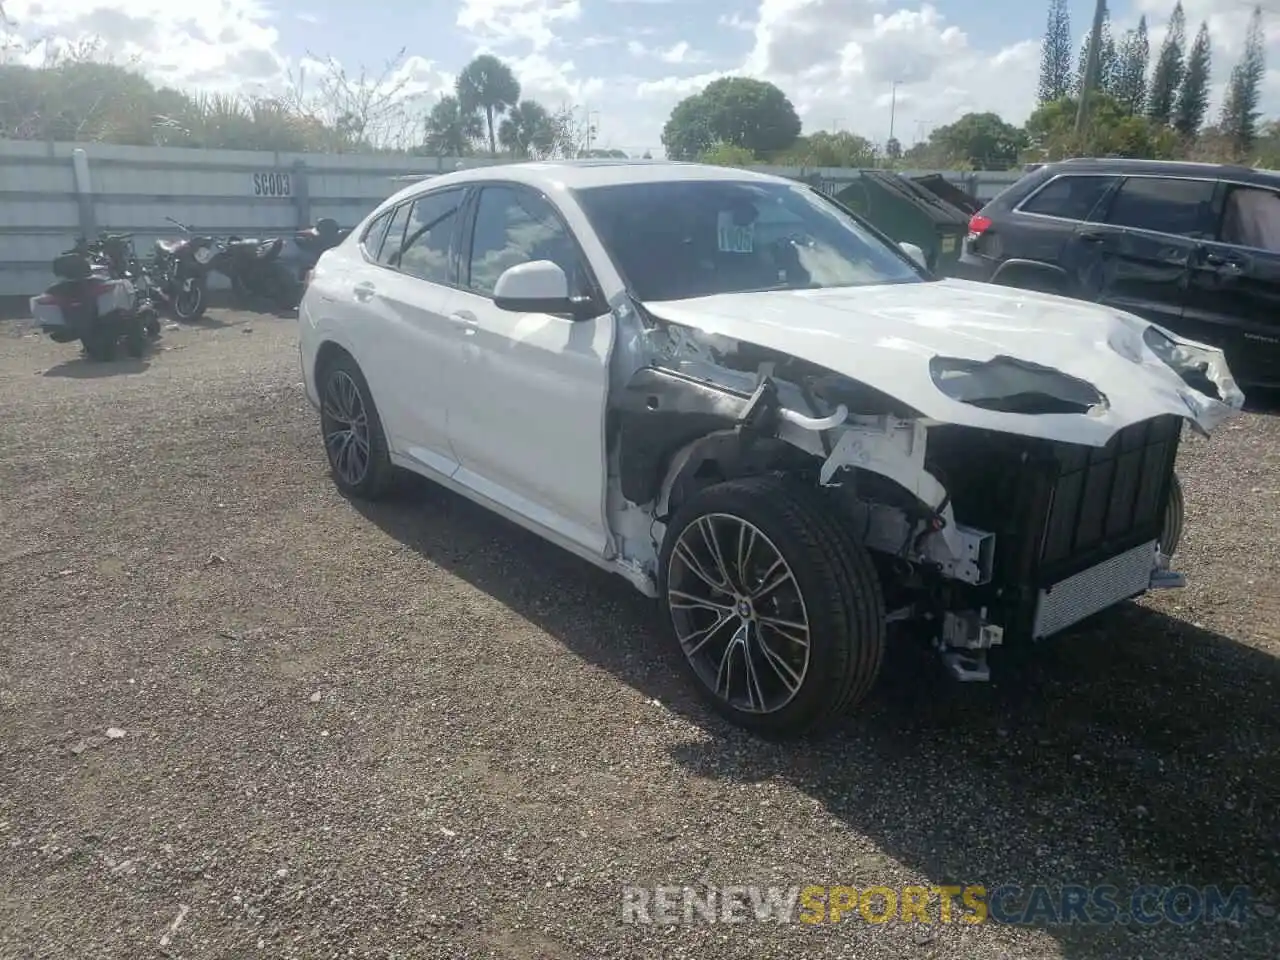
pixel 538 286
pixel 915 253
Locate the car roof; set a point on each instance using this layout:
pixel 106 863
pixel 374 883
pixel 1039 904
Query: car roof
pixel 1162 168
pixel 582 174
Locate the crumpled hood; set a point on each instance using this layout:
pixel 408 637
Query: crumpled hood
pixel 888 337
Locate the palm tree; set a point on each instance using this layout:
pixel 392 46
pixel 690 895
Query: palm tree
pixel 527 130
pixel 450 130
pixel 486 83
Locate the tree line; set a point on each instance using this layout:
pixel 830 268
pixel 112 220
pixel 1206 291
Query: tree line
pixel 76 95
pixel 1171 93
pixel 1138 108
pixel 1141 107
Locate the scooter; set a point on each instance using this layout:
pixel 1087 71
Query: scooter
pixel 92 303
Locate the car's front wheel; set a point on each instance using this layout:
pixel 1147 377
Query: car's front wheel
pixel 779 618
pixel 354 441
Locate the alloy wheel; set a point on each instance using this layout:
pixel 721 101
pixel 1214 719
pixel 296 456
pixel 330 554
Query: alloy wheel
pixel 738 613
pixel 345 423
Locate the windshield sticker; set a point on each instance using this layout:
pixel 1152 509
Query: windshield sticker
pixel 732 238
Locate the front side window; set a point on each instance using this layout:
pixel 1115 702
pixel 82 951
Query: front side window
pixel 1071 198
pixel 679 239
pixel 1178 207
pixel 515 226
pixel 429 234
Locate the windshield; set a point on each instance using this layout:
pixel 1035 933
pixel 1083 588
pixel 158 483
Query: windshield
pixel 680 239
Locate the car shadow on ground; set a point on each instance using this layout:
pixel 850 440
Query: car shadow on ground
pixel 1137 749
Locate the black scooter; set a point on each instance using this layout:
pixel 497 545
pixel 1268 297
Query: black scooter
pixel 255 271
pixel 179 272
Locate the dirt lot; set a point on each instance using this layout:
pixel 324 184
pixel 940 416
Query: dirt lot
pixel 416 731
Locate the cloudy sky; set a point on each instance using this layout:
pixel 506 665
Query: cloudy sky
pixel 629 61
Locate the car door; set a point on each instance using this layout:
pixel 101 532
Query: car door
pixel 1234 299
pixel 1136 252
pixel 418 353
pixel 1045 221
pixel 527 418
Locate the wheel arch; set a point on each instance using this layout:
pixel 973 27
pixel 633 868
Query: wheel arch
pixel 326 352
pixel 1015 271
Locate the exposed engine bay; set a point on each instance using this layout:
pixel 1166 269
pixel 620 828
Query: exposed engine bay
pixel 979 534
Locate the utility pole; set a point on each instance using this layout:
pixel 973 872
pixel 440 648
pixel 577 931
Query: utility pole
pixel 893 110
pixel 1090 79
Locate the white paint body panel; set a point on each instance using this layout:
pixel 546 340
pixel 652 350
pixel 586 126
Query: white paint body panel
pixel 885 336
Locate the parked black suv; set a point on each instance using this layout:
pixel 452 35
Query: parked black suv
pixel 1194 247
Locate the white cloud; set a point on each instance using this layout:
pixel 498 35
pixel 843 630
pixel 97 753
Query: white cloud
pixel 222 45
pixel 504 22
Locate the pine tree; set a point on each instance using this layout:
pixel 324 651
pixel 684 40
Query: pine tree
pixel 1166 79
pixel 1107 59
pixel 1130 84
pixel 1240 108
pixel 1055 54
pixel 1193 97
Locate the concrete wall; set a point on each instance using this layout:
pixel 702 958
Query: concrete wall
pixel 45 205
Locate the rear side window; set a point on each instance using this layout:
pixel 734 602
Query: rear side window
pixel 372 241
pixel 1178 207
pixel 1071 198
pixel 427 239
pixel 390 254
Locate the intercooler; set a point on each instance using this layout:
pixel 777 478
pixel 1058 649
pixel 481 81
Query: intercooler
pixel 1076 526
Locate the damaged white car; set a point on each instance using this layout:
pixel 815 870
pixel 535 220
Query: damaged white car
pixel 732 391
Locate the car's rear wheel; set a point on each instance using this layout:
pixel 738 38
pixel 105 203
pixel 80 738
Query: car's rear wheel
pixel 780 621
pixel 1175 513
pixel 354 441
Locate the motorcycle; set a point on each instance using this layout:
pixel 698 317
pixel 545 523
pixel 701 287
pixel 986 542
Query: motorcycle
pixel 101 297
pixel 312 243
pixel 255 271
pixel 179 271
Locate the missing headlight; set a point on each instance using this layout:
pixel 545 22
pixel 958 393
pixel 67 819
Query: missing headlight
pixel 1185 360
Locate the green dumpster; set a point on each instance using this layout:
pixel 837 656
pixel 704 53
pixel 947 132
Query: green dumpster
pixel 907 211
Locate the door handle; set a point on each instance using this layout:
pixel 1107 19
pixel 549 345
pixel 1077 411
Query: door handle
pixel 364 291
pixel 464 318
pixel 1225 264
pixel 1092 236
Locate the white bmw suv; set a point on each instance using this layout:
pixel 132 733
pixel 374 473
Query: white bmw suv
pixel 740 396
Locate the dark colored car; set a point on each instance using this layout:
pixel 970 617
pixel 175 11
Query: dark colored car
pixel 1194 247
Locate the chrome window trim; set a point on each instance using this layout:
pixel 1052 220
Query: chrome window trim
pixel 408 202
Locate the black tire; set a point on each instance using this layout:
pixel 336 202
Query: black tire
pixel 283 289
pixel 135 340
pixel 241 291
pixel 379 477
pixel 189 305
pixel 100 343
pixel 1175 513
pixel 837 585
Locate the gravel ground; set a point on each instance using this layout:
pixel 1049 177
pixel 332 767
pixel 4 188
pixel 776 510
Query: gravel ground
pixel 242 717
